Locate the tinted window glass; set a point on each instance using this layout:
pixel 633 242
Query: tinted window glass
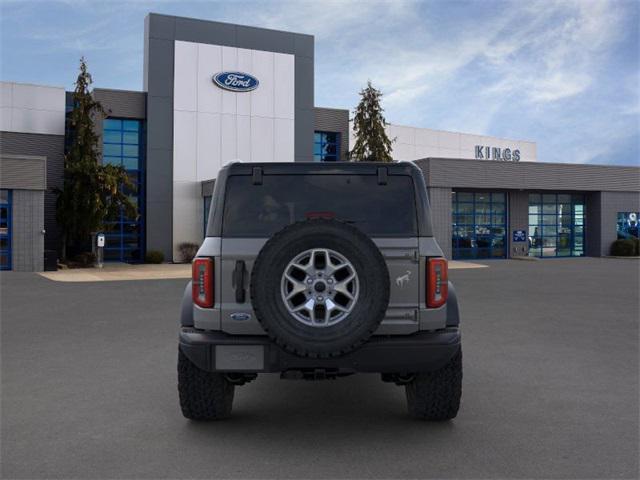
pixel 262 210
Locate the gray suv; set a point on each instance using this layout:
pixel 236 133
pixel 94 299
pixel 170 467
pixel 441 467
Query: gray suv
pixel 314 271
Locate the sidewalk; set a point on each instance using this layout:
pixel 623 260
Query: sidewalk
pixel 121 271
pixel 124 271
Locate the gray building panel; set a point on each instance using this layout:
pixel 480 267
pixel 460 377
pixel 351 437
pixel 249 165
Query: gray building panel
pixel 529 175
pixel 122 103
pixel 440 201
pixel 50 147
pixel 275 41
pixel 203 31
pixel 593 225
pixel 160 26
pixel 27 239
pixel 303 146
pixel 303 45
pixel 518 220
pixel 304 69
pixel 161 32
pixel 334 120
pixel 23 172
pixel 160 68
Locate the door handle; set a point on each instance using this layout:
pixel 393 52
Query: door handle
pixel 238 281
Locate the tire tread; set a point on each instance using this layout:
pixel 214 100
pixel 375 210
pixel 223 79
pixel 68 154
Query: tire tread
pixel 436 395
pixel 203 395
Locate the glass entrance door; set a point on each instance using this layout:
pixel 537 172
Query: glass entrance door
pixel 556 225
pixel 5 229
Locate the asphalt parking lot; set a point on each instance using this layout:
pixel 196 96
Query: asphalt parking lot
pixel 550 388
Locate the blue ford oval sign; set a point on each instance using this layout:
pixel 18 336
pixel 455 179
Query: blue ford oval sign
pixel 236 81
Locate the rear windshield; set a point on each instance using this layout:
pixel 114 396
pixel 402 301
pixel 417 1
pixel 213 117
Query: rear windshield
pixel 262 210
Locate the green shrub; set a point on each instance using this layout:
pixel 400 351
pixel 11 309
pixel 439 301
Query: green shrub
pixel 188 251
pixel 154 256
pixel 624 248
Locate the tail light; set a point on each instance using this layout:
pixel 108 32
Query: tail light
pixel 202 282
pixel 437 282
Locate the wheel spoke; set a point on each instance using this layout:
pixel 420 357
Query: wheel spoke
pixel 307 269
pixel 298 287
pixel 342 287
pixel 334 267
pixel 331 306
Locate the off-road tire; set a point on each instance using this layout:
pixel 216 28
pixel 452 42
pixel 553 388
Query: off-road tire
pixel 203 395
pixel 362 321
pixel 436 395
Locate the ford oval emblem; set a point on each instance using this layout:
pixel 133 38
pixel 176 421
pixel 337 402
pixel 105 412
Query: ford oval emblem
pixel 240 316
pixel 236 81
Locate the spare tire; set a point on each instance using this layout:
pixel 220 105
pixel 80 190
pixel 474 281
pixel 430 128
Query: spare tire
pixel 320 288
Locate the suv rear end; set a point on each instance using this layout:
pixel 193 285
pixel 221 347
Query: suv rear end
pixel 318 271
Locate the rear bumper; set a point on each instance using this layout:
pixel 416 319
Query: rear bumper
pixel 420 352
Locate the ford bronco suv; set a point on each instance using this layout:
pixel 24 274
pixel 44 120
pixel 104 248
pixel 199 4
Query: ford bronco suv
pixel 314 271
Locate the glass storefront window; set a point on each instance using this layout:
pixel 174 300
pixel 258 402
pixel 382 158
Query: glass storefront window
pixel 479 225
pixel 326 147
pixel 556 225
pixel 627 225
pixel 5 229
pixel 123 145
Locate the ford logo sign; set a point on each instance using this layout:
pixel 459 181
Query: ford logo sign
pixel 236 81
pixel 240 316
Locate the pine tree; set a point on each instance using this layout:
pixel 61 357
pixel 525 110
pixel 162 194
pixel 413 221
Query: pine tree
pixel 91 192
pixel 371 141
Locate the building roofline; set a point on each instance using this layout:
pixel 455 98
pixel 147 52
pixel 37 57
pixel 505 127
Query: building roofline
pixel 226 23
pixel 29 84
pixel 117 90
pixel 333 108
pixel 566 164
pixel 462 133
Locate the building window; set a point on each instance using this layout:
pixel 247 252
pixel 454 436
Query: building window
pixel 479 224
pixel 556 225
pixel 123 145
pixel 326 147
pixel 5 229
pixel 627 225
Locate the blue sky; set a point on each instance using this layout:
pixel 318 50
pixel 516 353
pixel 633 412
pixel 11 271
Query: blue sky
pixel 564 74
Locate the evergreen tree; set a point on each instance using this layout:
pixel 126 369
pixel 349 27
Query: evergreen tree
pixel 371 141
pixel 91 192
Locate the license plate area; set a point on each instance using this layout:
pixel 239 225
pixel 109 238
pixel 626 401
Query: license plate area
pixel 248 358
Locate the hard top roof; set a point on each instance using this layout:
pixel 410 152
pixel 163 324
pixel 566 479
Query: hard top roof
pixel 325 168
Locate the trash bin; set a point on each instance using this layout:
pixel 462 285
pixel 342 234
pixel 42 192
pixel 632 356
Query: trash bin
pixel 50 260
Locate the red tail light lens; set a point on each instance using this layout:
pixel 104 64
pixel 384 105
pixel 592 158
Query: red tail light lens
pixel 437 282
pixel 202 282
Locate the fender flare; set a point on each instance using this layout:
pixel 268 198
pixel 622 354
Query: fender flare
pixel 453 311
pixel 186 308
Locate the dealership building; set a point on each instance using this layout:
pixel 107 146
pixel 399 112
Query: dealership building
pixel 216 93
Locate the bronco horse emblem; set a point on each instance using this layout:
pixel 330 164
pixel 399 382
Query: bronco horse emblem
pixel 401 280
